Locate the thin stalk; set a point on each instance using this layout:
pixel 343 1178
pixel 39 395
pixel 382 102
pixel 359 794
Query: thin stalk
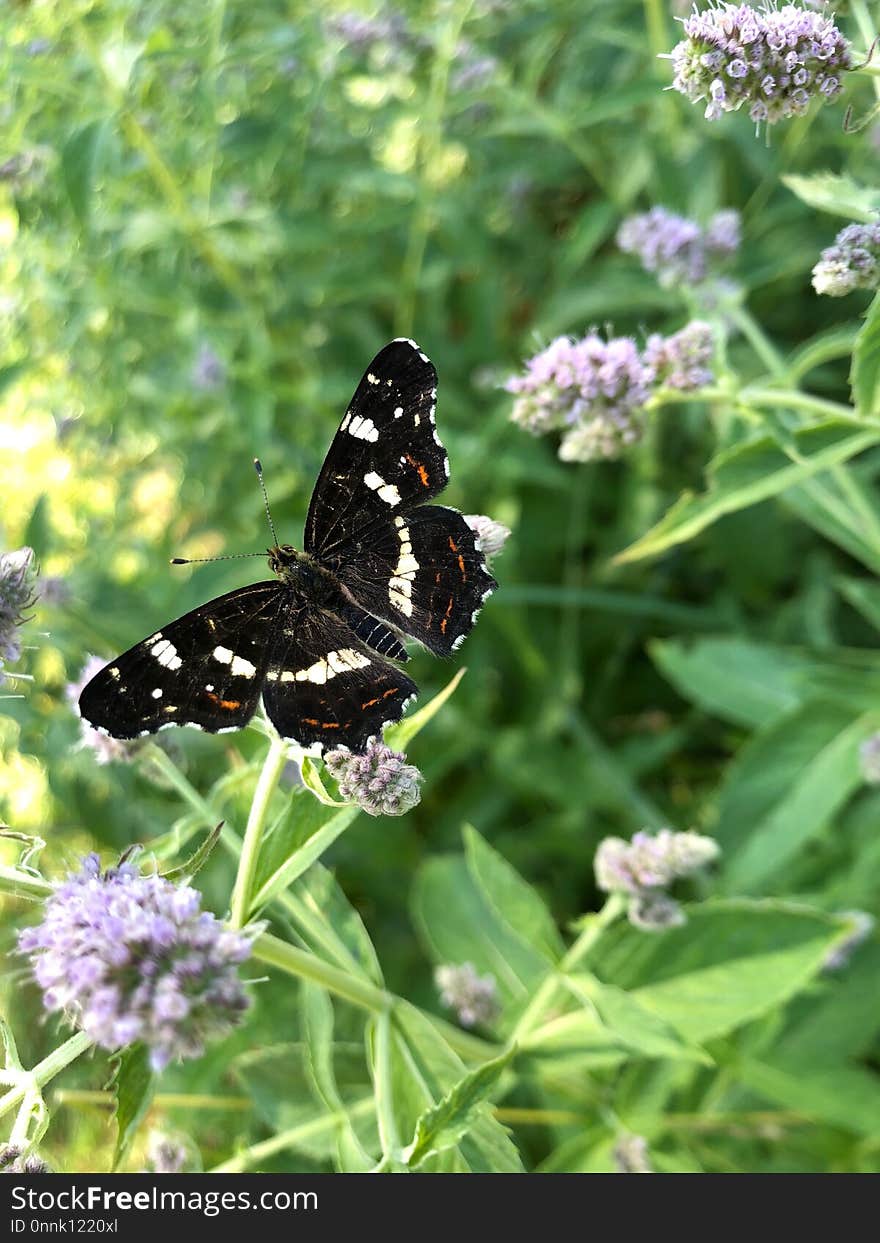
pixel 794 400
pixel 759 341
pixel 292 1138
pixel 868 31
pixel 253 834
pixel 389 1135
pixel 44 1072
pixel 76 1098
pixel 548 990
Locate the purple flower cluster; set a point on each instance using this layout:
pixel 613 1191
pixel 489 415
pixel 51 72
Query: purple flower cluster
pixel 104 747
pixel 16 597
pixel 853 262
pixel 773 60
pixel 684 360
pixel 677 249
pixel 17 1160
pixel 595 391
pixel 473 997
pixel 645 867
pixel 380 781
pixel 128 957
pixel 491 535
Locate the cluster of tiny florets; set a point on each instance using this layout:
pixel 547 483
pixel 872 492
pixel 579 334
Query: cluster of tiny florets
pixel 101 745
pixel 645 867
pixel 473 997
pixel 684 360
pixel 772 60
pixel 129 957
pixel 491 535
pixel 678 250
pixel 595 391
pixel 16 597
pixel 852 262
pixel 380 781
pixel 17 1160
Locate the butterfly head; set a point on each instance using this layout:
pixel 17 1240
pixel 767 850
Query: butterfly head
pixel 283 559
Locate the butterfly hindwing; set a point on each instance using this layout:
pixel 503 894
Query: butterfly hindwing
pixel 423 573
pixel 205 669
pixel 325 687
pixel 385 455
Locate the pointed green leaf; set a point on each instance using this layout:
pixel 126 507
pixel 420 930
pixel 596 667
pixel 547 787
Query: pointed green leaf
pixel 865 374
pixel 444 1124
pixel 132 1086
pixel 837 195
pixel 399 736
pixel 636 1027
pixel 197 860
pixel 513 900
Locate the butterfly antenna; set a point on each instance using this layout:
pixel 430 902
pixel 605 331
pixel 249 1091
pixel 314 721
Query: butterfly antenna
pixel 258 466
pixel 229 556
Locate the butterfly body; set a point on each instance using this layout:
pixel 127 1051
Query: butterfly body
pixel 316 641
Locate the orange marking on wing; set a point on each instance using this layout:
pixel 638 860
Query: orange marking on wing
pixel 445 619
pixel 330 725
pixel 452 544
pixel 229 705
pixel 392 691
pixel 423 474
pixel 368 704
pixel 310 720
pixel 461 567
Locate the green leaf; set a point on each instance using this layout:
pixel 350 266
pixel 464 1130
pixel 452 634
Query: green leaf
pixel 844 1096
pixel 837 195
pixel 865 373
pixel 459 926
pixel 132 1085
pixel 329 924
pixel 426 1069
pixel 304 833
pixel 824 347
pixel 784 789
pixel 632 1024
pixel 749 473
pixel 443 1125
pixel 864 595
pixel 80 157
pixel 311 778
pixel 738 680
pixel 197 860
pixel 317 1014
pixel 399 736
pixel 733 961
pixel 517 905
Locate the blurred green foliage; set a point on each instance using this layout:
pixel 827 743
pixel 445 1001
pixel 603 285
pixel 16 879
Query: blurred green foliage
pixel 211 217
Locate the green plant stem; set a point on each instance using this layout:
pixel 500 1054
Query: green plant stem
pixel 292 1138
pixel 792 399
pixel 44 1072
pixel 76 1098
pixel 18 884
pixel 868 31
pixel 548 990
pixel 655 20
pixel 389 1136
pixel 759 341
pixel 253 834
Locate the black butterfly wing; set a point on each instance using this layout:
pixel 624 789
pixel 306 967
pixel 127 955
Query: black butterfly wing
pixel 423 573
pixel 416 566
pixel 204 669
pixel 385 455
pixel 324 688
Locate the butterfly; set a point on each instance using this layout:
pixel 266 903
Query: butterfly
pixel 317 642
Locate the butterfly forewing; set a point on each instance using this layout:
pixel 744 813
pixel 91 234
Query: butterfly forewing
pixel 204 669
pixel 385 456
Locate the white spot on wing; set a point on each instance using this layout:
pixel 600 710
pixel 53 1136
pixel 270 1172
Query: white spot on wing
pixel 166 654
pixel 386 492
pixel 242 668
pixel 157 693
pixel 223 654
pixel 363 429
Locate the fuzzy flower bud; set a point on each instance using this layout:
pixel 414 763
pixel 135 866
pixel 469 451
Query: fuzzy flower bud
pixel 166 1154
pixel 862 924
pixel 15 1160
pixel 380 781
pixel 869 759
pixel 775 61
pixel 646 866
pixel 16 597
pixel 492 535
pixel 675 248
pixel 127 957
pixel 631 1155
pixel 102 745
pixel 853 262
pixel 684 360
pixel 473 997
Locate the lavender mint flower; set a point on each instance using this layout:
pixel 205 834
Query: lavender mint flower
pixel 773 60
pixel 684 360
pixel 852 262
pixel 129 957
pixel 16 597
pixel 380 781
pixel 166 1154
pixel 17 1160
pixel 645 867
pixel 595 390
pixel 473 997
pixel 492 535
pixel 677 250
pixel 208 370
pixel 104 747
